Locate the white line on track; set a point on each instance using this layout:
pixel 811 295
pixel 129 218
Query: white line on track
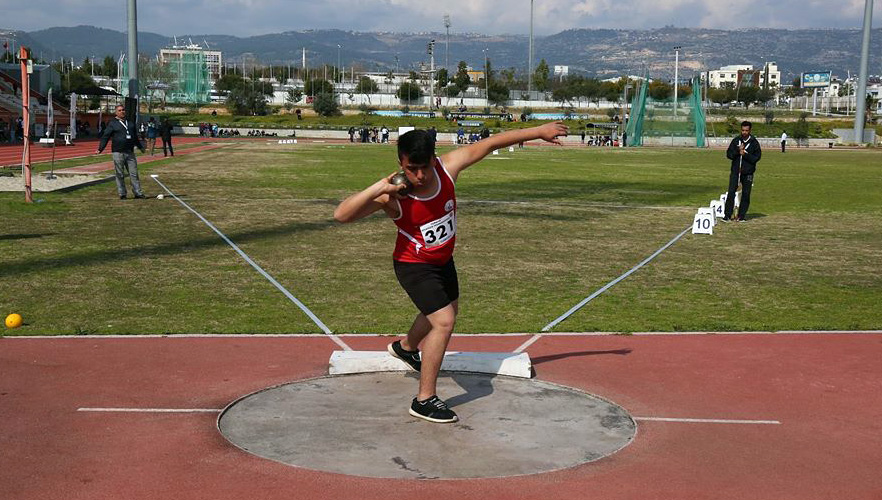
pixel 707 421
pixel 150 410
pixel 295 336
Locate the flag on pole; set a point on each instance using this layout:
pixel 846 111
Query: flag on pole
pixel 50 116
pixel 73 116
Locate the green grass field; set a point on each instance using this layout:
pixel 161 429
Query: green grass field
pixel 539 230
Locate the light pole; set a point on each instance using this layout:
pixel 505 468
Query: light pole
pixel 676 75
pixel 624 114
pixel 447 43
pixel 338 61
pixel 861 95
pixel 530 61
pixel 430 48
pixel 486 78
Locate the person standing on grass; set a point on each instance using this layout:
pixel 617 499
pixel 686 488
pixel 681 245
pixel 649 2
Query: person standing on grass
pixel 165 134
pixel 423 256
pixel 783 141
pixel 123 135
pixel 745 153
pixel 152 132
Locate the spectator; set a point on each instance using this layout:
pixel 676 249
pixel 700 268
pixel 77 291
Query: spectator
pixel 165 133
pixel 123 135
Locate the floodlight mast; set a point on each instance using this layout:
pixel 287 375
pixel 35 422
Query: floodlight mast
pixel 431 51
pixel 133 60
pixel 676 75
pixel 447 43
pixel 861 95
pixel 530 61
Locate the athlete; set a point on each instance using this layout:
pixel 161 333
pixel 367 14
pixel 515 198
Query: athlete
pixel 423 256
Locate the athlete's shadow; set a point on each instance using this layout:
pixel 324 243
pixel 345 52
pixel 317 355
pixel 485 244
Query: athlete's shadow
pixel 475 385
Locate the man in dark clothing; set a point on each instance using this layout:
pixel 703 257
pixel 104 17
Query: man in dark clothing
pixel 123 135
pixel 165 131
pixel 745 153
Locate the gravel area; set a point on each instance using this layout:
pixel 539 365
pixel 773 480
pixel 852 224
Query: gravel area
pixel 39 182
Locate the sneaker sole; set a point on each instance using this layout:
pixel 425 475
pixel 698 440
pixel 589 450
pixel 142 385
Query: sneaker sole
pixel 430 419
pixel 396 356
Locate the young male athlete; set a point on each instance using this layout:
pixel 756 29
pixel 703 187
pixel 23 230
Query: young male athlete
pixel 423 256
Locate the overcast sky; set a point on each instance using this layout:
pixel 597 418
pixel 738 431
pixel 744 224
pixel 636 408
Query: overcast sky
pixel 255 17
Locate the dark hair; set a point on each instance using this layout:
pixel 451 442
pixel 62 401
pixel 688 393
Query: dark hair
pixel 747 124
pixel 418 146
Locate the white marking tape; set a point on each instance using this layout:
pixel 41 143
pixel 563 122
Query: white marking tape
pixel 151 410
pixel 259 269
pixel 606 287
pixel 708 421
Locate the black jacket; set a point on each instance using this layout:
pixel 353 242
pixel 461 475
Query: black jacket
pixel 165 131
pixel 116 133
pixel 752 154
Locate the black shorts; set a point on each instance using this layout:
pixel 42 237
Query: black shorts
pixel 430 287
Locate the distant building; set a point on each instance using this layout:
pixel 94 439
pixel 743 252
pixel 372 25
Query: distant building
pixel 213 58
pixel 744 74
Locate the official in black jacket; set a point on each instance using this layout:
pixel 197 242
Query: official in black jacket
pixel 745 153
pixel 123 135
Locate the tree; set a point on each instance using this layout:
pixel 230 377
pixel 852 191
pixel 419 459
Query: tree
pixel 748 95
pixel 325 104
pixel 153 78
pixel 108 67
pixel 801 129
pixel 366 86
pixel 229 82
pixel 292 97
pixel 721 95
pixel 540 76
pixel 250 98
pixel 318 86
pixel 441 78
pixel 462 80
pixel 409 92
pixel 497 93
pixel 660 90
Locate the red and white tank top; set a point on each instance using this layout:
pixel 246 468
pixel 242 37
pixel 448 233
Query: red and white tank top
pixel 427 226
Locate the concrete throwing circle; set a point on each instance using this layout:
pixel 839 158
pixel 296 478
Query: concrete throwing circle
pixel 359 425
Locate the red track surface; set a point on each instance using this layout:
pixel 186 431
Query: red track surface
pixel 823 388
pixel 10 154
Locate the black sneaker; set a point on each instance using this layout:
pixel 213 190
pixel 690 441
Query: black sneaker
pixel 140 196
pixel 741 218
pixel 412 358
pixel 726 219
pixel 122 196
pixel 433 410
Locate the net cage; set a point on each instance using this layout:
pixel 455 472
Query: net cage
pixel 666 122
pixel 190 81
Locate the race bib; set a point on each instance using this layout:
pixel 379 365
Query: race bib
pixel 439 231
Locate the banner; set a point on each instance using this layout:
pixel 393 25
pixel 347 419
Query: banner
pixel 73 116
pixel 50 115
pixel 816 80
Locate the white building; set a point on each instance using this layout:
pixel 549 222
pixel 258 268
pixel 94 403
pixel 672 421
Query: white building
pixel 213 58
pixel 736 74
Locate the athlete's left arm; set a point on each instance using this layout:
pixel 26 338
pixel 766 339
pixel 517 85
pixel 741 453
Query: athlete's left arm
pixel 461 158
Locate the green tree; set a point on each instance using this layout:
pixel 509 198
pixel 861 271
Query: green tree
pixel 461 80
pixel 497 93
pixel 540 76
pixel 318 86
pixel 292 97
pixel 801 129
pixel 660 90
pixel 250 98
pixel 229 82
pixel 76 80
pixel 366 86
pixel 325 104
pixel 109 67
pixel 409 92
pixel 441 78
pixel 748 95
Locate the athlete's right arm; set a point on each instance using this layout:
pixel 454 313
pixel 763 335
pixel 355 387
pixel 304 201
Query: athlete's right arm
pixel 375 197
